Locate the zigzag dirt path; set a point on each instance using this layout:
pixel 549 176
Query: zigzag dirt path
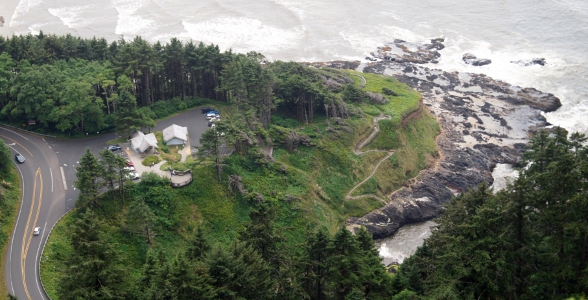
pixel 359 152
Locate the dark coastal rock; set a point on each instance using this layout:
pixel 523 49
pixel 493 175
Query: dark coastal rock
pixel 336 64
pixel 471 59
pixel 403 51
pixel 530 62
pixel 484 122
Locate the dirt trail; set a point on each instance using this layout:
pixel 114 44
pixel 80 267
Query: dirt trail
pixel 359 152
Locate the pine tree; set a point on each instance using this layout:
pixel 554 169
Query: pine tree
pixel 141 220
pixel 199 246
pixel 89 181
pixel 240 273
pixel 314 277
pixel 112 165
pixel 94 269
pixel 190 280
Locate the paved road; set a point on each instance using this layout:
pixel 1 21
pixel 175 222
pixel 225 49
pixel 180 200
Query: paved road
pixel 46 197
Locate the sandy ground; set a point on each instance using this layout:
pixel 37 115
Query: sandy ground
pixel 7 8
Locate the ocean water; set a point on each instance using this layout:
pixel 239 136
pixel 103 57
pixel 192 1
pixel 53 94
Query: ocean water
pixel 304 30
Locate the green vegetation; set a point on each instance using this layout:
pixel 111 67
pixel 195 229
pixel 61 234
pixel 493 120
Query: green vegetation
pixel 255 209
pixel 525 242
pixel 151 160
pixel 10 191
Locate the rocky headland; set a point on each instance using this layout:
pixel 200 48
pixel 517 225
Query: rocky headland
pixel 484 122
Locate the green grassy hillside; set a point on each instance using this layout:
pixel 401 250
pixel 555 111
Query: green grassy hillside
pixel 308 184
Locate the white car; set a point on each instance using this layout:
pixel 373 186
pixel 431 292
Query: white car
pixel 37 231
pixel 133 176
pixel 211 115
pixel 129 169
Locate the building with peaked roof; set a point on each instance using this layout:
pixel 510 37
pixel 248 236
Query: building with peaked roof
pixel 142 142
pixel 175 135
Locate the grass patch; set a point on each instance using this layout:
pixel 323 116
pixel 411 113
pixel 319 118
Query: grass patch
pixel 116 141
pixel 57 249
pixel 416 152
pixel 151 160
pixel 406 101
pixel 11 189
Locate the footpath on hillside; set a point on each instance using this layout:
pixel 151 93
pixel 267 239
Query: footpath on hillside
pixel 358 151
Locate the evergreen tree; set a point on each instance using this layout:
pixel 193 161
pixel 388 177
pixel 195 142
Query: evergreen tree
pixel 199 246
pixel 214 141
pixel 112 165
pixel 190 280
pixel 94 270
pixel 128 117
pixel 89 181
pixel 314 277
pixel 141 220
pixel 240 273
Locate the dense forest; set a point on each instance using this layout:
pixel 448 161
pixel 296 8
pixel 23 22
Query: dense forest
pixel 73 85
pixel 529 241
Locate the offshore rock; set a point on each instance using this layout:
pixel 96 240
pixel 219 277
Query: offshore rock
pixel 530 62
pixel 403 51
pixel 483 122
pixel 471 59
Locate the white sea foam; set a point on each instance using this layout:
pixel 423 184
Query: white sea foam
pixel 404 243
pixel 503 175
pixel 244 34
pixel 70 16
pixel 128 22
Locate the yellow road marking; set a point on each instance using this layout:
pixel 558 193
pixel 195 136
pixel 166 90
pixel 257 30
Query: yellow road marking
pixel 25 250
pixel 27 150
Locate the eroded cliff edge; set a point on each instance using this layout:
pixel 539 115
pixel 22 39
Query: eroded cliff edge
pixel 483 121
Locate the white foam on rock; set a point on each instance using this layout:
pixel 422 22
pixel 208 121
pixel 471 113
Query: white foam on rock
pixel 503 174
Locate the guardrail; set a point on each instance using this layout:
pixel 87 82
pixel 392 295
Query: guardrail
pixel 183 183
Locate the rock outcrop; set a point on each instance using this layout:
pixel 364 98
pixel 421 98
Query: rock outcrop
pixel 530 62
pixel 403 51
pixel 484 122
pixel 471 59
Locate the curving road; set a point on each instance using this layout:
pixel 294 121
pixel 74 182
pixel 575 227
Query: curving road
pixel 45 198
pixel 48 174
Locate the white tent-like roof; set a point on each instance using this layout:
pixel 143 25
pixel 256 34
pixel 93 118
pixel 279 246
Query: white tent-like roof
pixel 143 141
pixel 175 131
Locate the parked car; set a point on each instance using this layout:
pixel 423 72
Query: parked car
pixel 19 158
pixel 113 148
pixel 37 231
pixel 133 176
pixel 129 168
pixel 130 163
pixel 207 109
pixel 212 115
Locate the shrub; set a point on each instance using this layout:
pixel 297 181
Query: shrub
pixel 354 94
pixel 389 92
pixel 153 159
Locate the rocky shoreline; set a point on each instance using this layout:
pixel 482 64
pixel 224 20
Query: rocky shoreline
pixel 484 122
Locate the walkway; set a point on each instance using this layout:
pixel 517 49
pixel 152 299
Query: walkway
pixel 358 151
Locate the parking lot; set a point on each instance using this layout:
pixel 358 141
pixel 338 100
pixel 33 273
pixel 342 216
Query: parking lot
pixel 196 123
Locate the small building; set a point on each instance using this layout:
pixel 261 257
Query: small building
pixel 175 135
pixel 142 142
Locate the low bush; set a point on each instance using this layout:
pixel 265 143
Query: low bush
pixel 151 160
